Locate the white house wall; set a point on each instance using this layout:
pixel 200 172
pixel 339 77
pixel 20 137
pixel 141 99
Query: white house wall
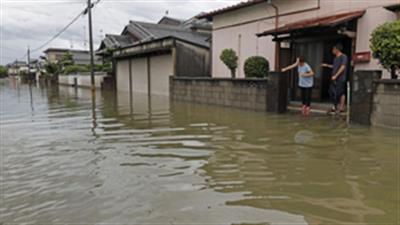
pixel 246 44
pixel 373 18
pixel 237 29
pixel 260 11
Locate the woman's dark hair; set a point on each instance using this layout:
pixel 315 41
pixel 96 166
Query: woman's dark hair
pixel 301 59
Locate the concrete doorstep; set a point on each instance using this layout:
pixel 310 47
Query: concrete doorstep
pixel 316 108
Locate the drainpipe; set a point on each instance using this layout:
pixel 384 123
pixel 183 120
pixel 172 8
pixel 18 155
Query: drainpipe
pixel 277 43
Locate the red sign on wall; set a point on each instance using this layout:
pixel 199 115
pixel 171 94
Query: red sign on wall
pixel 361 57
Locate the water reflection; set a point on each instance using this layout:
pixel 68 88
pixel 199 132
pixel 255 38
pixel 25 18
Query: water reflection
pixel 122 158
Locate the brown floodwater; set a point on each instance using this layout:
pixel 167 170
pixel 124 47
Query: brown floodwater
pixel 141 160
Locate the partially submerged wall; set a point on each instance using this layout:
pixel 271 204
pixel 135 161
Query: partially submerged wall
pixel 375 101
pixel 237 93
pixel 250 94
pixel 386 104
pixel 81 80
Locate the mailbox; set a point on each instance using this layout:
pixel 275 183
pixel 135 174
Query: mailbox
pixel 361 57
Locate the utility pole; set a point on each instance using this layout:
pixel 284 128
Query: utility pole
pixel 29 62
pixel 89 10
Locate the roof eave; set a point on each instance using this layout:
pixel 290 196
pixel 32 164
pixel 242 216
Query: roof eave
pixel 393 8
pixel 285 30
pixel 209 16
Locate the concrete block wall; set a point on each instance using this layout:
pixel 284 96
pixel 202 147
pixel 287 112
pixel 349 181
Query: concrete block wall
pixel 249 94
pixel 386 104
pixel 362 95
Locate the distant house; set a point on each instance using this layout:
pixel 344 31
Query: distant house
pixel 146 54
pixel 80 57
pixel 16 67
pixel 305 27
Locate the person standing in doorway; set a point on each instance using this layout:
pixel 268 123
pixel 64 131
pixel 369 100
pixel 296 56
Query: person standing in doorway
pixel 306 82
pixel 337 89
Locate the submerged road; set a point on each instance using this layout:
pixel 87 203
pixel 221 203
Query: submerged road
pixel 65 160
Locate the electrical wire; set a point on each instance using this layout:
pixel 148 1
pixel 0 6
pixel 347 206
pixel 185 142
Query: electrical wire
pixel 60 32
pixel 83 12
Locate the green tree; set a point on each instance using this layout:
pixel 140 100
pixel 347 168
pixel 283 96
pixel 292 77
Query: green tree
pixel 97 67
pixel 107 67
pixel 230 59
pixel 73 69
pixel 52 68
pixel 3 71
pixel 385 46
pixel 66 60
pixel 256 66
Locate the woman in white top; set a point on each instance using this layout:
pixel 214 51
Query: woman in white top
pixel 306 82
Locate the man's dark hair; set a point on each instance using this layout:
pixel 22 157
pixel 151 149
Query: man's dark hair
pixel 339 47
pixel 301 59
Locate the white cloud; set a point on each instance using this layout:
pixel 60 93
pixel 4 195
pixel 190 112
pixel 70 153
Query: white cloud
pixel 32 22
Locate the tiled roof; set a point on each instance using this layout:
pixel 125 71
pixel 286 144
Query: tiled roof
pixel 148 31
pixel 116 41
pixel 137 32
pixel 325 21
pixel 171 21
pixel 65 50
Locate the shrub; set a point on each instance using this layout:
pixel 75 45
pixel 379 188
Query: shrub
pixel 256 66
pixel 3 72
pixel 73 69
pixel 66 60
pixel 52 68
pixel 97 67
pixel 229 58
pixel 385 46
pixel 107 67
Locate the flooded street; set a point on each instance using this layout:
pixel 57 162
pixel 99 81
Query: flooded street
pixel 122 160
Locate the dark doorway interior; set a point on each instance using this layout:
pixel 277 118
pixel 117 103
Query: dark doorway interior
pixel 317 51
pixel 328 58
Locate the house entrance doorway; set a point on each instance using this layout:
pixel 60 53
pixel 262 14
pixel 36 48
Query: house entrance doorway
pixel 315 53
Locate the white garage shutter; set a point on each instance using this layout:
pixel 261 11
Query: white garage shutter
pixel 160 69
pixel 123 75
pixel 139 75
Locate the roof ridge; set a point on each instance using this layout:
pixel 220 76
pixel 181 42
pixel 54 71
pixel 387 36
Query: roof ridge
pixel 157 25
pixel 173 18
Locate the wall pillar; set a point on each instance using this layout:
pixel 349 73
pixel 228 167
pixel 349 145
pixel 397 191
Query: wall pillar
pixel 277 92
pixel 362 96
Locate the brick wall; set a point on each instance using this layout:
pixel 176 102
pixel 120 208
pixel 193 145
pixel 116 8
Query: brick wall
pixel 250 94
pixel 386 104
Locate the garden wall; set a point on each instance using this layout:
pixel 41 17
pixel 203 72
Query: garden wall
pixel 251 94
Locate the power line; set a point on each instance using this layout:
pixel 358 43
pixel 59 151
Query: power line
pixel 83 12
pixel 66 27
pixel 60 32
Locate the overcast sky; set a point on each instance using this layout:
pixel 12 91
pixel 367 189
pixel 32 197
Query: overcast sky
pixel 33 22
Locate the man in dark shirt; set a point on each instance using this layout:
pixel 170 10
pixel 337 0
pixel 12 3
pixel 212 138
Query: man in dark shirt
pixel 337 90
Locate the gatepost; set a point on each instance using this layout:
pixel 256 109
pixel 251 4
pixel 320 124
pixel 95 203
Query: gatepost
pixel 277 90
pixel 362 96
